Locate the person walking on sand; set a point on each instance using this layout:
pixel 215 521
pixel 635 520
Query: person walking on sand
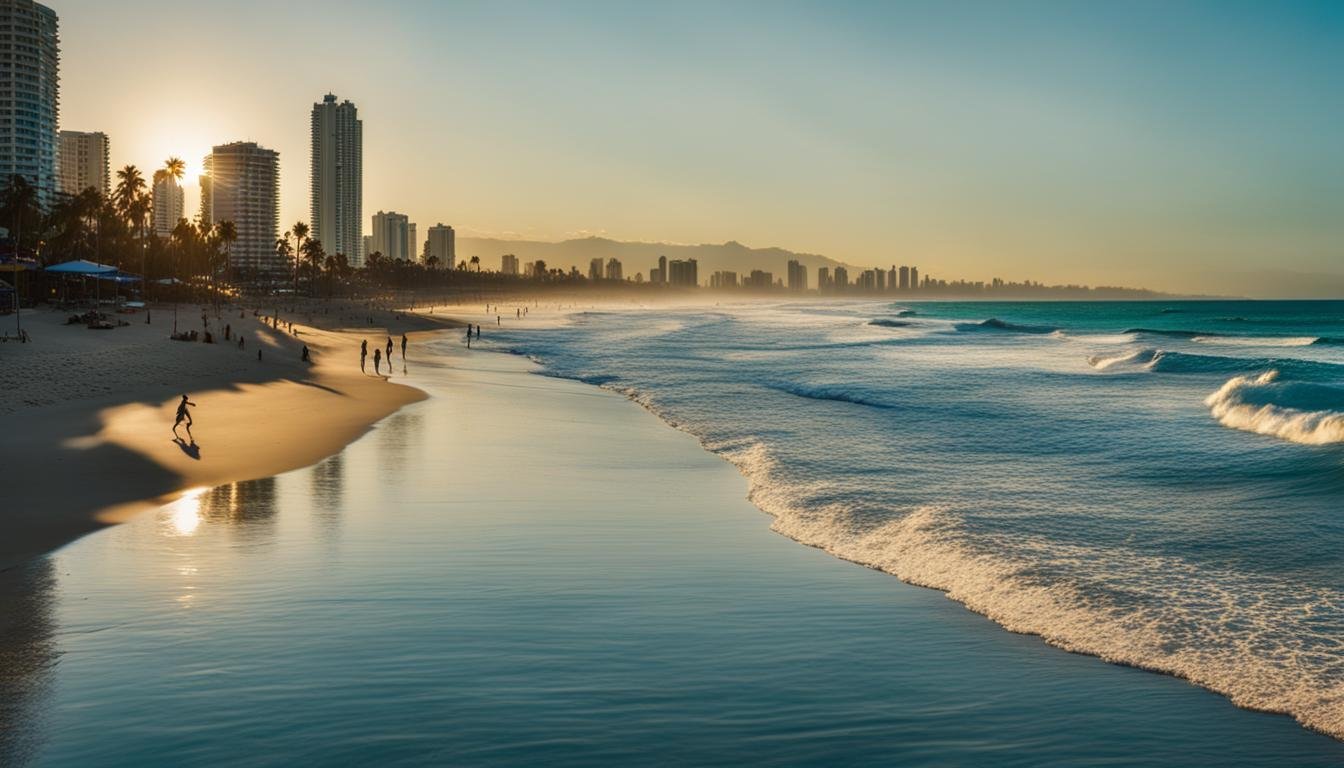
pixel 403 347
pixel 363 354
pixel 468 335
pixel 389 350
pixel 378 361
pixel 183 414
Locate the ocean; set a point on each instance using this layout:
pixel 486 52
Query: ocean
pixel 1155 483
pixel 526 570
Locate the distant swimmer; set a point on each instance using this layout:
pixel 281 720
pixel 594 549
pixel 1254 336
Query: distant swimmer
pixel 183 414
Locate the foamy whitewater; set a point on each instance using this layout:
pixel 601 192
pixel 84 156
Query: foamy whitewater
pixel 1158 484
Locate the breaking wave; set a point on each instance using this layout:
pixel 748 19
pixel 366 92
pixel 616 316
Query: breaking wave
pixel 1299 411
pixel 886 323
pixel 995 324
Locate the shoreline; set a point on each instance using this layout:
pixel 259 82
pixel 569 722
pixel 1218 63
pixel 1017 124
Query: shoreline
pixel 90 439
pixel 664 610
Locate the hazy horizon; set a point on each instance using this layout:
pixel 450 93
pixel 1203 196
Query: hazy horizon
pixel 1185 149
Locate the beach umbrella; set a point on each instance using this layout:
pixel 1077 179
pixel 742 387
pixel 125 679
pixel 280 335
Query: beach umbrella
pixel 81 267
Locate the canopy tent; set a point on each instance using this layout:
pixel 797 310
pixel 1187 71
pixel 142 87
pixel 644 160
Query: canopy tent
pixel 118 277
pixel 82 267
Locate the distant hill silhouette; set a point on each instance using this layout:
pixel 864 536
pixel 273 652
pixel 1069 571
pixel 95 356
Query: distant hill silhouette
pixel 640 257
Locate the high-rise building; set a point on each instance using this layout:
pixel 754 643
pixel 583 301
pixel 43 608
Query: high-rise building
pixel 905 278
pixel 366 244
pixel 392 235
pixel 841 278
pixel 914 278
pixel 797 275
pixel 614 271
pixel 508 264
pixel 168 203
pixel 758 279
pixel 880 279
pixel 681 272
pixel 84 162
pixel 892 277
pixel 823 279
pixel 412 242
pixel 723 279
pixel 338 178
pixel 595 269
pixel 660 274
pixel 242 184
pixel 30 94
pixel 442 244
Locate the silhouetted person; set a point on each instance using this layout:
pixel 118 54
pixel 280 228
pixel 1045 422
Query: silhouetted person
pixel 228 331
pixel 517 313
pixel 240 343
pixel 306 358
pixel 363 353
pixel 183 414
pixel 478 330
pixel 403 346
pixel 389 350
pixel 498 321
pixel 377 361
pixel 468 335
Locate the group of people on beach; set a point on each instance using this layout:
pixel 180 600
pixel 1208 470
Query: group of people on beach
pixel 378 355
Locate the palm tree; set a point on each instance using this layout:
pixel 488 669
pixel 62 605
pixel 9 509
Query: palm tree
pixel 175 167
pixel 130 188
pixel 476 263
pixel 315 254
pixel 300 233
pixel 226 232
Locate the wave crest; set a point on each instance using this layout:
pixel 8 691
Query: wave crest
pixel 995 324
pixel 1301 412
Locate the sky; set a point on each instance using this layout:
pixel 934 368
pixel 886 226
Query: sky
pixel 1181 146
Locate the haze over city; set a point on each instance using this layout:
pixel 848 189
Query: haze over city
pixel 1184 148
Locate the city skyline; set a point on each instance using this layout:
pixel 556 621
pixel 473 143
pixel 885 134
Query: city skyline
pixel 1096 149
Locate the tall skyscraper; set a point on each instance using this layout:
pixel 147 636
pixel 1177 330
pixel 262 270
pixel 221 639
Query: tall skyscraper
pixel 797 275
pixel 84 162
pixel 442 243
pixel 168 203
pixel 338 178
pixel 905 279
pixel 392 235
pixel 841 280
pixel 412 242
pixel 595 269
pixel 614 269
pixel 914 278
pixel 242 184
pixel 508 264
pixel 30 93
pixel 682 272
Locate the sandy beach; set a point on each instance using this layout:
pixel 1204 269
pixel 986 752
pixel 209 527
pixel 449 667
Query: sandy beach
pixel 89 414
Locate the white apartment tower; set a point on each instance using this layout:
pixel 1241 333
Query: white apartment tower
pixel 242 184
pixel 338 178
pixel 168 203
pixel 392 234
pixel 30 93
pixel 85 162
pixel 442 243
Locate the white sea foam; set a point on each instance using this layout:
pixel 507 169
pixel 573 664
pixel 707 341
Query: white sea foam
pixel 1257 341
pixel 1158 613
pixel 1312 414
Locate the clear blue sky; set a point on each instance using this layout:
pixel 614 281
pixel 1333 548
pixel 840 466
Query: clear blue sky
pixel 1141 143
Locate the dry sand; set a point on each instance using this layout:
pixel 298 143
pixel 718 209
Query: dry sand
pixel 86 416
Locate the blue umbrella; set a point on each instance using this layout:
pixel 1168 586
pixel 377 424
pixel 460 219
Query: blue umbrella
pixel 82 267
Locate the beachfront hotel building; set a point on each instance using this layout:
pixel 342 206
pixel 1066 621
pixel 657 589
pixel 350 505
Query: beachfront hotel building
pixel 441 243
pixel 393 235
pixel 338 178
pixel 508 264
pixel 30 96
pixel 242 184
pixel 168 203
pixel 85 162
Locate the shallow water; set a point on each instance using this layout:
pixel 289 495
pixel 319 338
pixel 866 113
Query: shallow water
pixel 529 571
pixel 1158 484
